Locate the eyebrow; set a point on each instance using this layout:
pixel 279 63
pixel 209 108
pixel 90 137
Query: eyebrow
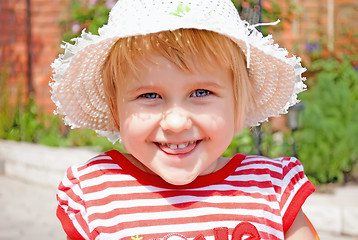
pixel 145 88
pixel 208 84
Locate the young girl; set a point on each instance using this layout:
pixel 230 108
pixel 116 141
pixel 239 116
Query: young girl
pixel 175 80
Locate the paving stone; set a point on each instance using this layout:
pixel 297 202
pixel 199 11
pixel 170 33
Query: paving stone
pixel 27 211
pixel 350 220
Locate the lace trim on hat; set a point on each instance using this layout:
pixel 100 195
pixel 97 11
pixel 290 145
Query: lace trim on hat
pixel 247 43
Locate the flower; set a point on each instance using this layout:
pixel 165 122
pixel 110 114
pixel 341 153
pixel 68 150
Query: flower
pixel 136 237
pixel 92 2
pixel 312 47
pixel 76 27
pixel 110 3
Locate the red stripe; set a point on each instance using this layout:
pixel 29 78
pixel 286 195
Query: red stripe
pixel 133 183
pixel 71 195
pixel 258 172
pixel 287 168
pixel 68 190
pixel 179 207
pixel 252 160
pixel 287 192
pixel 250 183
pixel 110 184
pixel 100 159
pixel 67 224
pixel 295 205
pixel 83 223
pixel 172 194
pixel 100 172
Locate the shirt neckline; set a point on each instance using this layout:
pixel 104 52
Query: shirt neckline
pixel 154 180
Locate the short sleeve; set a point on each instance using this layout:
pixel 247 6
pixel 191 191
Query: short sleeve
pixel 71 209
pixel 295 189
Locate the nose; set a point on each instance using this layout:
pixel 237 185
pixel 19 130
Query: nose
pixel 175 120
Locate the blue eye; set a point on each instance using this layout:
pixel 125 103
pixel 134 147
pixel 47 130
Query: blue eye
pixel 200 93
pixel 151 95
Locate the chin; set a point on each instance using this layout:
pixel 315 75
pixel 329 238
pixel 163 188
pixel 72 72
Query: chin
pixel 180 180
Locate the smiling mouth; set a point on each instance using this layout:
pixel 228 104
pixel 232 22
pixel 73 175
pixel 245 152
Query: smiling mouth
pixel 181 148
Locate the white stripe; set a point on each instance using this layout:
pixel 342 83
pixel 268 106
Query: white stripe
pixel 221 187
pixel 105 178
pixel 96 167
pixel 176 200
pixel 291 174
pixel 74 187
pixel 254 177
pixel 121 190
pixel 99 157
pixel 82 211
pixel 228 187
pixel 149 189
pixel 260 158
pixel 64 197
pixel 249 166
pixel 79 229
pixel 297 186
pixel 184 214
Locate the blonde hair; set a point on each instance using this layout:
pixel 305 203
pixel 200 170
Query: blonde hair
pixel 184 47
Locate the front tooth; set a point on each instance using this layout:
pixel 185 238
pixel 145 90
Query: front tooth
pixel 173 146
pixel 183 145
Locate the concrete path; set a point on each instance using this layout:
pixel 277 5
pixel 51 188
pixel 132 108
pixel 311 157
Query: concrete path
pixel 30 174
pixel 27 211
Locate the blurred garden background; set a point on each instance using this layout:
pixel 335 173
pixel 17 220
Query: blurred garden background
pixel 324 33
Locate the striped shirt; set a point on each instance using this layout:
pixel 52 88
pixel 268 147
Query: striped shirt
pixel 109 198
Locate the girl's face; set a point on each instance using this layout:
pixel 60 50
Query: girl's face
pixel 177 124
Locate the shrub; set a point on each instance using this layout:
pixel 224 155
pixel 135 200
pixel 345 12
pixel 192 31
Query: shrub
pixel 328 138
pixel 22 119
pixel 88 14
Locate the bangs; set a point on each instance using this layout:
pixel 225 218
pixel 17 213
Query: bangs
pixel 186 48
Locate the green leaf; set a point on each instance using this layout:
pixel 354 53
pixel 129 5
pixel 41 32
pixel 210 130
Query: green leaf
pixel 182 8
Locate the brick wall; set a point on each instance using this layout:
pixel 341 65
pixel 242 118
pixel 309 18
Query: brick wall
pixel 44 41
pixel 331 24
pixel 13 38
pixel 346 25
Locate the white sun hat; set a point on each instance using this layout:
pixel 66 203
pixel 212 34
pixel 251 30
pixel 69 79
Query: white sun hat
pixel 77 88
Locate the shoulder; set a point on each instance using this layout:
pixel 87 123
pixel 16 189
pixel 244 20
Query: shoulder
pixel 281 172
pixel 280 165
pixel 98 163
pixel 286 174
pixel 80 175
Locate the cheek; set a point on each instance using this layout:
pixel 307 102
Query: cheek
pixel 226 122
pixel 219 122
pixel 136 124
